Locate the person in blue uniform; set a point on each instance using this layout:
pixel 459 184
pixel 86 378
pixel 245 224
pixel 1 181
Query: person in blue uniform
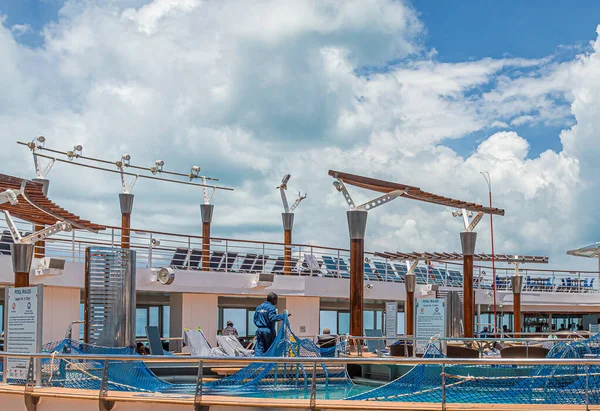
pixel 265 318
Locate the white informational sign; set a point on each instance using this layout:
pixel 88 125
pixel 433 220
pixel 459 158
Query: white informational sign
pixel 430 321
pixel 23 328
pixel 391 317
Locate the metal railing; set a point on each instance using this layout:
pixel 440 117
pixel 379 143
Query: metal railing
pixel 200 398
pixel 156 249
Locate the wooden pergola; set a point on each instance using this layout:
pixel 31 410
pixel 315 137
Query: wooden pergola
pixel 435 256
pixel 391 191
pixel 36 208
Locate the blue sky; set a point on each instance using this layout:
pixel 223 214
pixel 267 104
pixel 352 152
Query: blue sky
pixel 253 92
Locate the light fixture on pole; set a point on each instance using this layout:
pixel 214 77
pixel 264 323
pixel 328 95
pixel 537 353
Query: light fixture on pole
pixel 488 180
pixel 288 222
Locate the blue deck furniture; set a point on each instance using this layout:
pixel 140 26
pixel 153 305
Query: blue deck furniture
pixel 259 263
pixel 369 274
pixel 195 258
pixel 215 260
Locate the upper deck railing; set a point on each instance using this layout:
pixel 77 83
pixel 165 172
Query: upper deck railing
pixel 157 249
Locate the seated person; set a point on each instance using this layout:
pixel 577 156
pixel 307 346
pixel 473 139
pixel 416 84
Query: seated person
pixel 325 340
pixel 230 329
pixel 142 349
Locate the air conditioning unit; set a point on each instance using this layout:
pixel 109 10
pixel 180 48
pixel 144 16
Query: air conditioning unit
pixel 263 281
pixel 50 266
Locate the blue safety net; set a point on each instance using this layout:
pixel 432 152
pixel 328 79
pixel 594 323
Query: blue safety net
pixel 281 376
pixel 499 383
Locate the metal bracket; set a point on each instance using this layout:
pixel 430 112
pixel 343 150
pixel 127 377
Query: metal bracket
pixel 207 197
pixel 45 232
pixel 386 198
pixel 469 226
pixel 103 403
pixel 14 233
pixel 198 392
pixel 297 202
pixel 39 172
pixel 339 185
pixel 411 265
pixel 126 187
pixel 31 401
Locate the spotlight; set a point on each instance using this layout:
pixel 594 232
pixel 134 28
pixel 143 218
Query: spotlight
pixel 456 213
pixel 77 149
pixel 157 168
pixel 41 139
pixel 125 158
pixel 367 260
pixel 194 172
pixel 337 185
pixel 369 286
pixel 155 242
pixel 33 144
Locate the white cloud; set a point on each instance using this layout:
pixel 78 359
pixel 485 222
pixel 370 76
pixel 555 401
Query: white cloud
pixel 251 90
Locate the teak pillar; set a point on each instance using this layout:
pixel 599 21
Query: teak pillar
pixel 22 256
pixel 39 250
pixel 126 202
pixel 357 226
pixel 409 311
pixel 467 240
pixel 517 285
pixel 288 224
pixel 206 210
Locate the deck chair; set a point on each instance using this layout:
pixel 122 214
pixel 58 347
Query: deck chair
pixel 195 259
pixel 374 345
pixel 278 266
pixel 385 271
pixel 216 259
pixel 310 265
pixel 5 241
pixel 248 262
pixel 199 345
pixel 402 270
pixel 259 264
pixel 178 260
pixel 232 347
pixel 369 274
pixel 228 261
pixel 154 342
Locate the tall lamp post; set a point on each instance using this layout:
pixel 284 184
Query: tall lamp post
pixel 488 180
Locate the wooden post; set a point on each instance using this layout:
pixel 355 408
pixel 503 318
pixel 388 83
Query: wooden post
pixel 39 250
pixel 357 225
pixel 288 224
pixel 22 256
pixel 517 285
pixel 206 210
pixel 126 202
pixel 409 308
pixel 468 240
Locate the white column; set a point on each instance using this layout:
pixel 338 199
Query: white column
pixel 195 310
pixel 61 306
pixel 305 315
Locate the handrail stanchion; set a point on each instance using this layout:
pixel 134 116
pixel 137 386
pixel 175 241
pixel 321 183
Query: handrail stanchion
pixel 227 255
pixel 190 247
pixel 198 391
pixel 587 388
pixel 338 264
pixel 73 245
pixel 443 386
pixel 150 252
pixel 313 389
pixel 112 237
pixel 104 404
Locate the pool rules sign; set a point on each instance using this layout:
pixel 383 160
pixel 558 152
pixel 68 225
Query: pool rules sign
pixel 430 321
pixel 23 335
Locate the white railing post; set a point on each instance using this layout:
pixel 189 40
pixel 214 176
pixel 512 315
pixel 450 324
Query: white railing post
pixel 226 256
pixel 73 245
pixel 150 252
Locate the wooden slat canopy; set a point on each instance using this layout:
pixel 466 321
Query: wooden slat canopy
pixel 410 192
pixel 36 208
pixel 435 256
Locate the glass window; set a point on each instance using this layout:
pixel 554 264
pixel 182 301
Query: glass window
pixel 166 321
pixel 238 317
pixel 343 323
pixel 400 323
pixel 378 321
pixel 368 320
pixel 328 319
pixel 251 326
pixel 154 316
pixel 141 321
